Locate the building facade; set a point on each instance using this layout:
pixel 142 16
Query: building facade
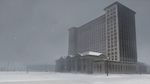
pixel 90 63
pixel 113 34
pixel 88 37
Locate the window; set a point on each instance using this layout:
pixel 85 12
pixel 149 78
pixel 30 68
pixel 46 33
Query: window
pixel 111 38
pixel 115 37
pixel 112 58
pixel 115 29
pixel 111 31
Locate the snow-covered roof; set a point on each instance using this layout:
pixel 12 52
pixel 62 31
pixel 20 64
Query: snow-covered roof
pixel 90 53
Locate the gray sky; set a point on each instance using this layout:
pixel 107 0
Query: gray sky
pixel 36 31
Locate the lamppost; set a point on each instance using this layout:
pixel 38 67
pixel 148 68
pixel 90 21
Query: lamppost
pixel 106 65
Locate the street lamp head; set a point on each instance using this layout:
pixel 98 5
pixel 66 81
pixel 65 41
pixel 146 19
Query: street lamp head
pixel 107 58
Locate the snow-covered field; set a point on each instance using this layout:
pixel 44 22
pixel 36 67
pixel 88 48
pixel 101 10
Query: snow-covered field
pixel 66 78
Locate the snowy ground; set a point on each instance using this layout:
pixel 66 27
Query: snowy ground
pixel 66 78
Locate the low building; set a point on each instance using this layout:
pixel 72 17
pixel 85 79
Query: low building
pixel 142 68
pixel 93 62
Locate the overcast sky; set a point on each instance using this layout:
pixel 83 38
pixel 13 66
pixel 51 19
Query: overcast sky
pixel 36 31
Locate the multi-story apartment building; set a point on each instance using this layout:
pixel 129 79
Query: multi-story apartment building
pixel 112 34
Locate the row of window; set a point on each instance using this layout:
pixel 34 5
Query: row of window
pixel 111 24
pixel 112 33
pixel 113 53
pixel 111 11
pixel 114 58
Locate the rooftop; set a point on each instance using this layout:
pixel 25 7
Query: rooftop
pixel 118 3
pixel 90 53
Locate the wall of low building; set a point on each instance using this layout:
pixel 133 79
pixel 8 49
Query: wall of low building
pixel 121 67
pixel 89 64
pixel 114 67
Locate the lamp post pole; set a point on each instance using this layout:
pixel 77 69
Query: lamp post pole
pixel 107 67
pixel 107 60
